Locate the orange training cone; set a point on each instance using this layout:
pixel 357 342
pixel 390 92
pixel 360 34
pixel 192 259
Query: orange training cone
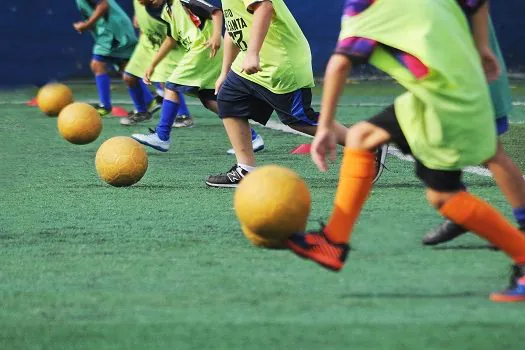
pixel 302 149
pixel 119 112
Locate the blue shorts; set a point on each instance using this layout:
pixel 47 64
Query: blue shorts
pixel 241 98
pixel 118 61
pixel 502 125
pixel 203 94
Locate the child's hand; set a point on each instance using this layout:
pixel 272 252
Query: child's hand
pixel 323 144
pixel 214 44
pixel 490 64
pixel 251 64
pixel 148 74
pixel 219 82
pixel 80 26
pixel 136 22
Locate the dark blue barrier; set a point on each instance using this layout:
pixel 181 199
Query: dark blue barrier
pixel 39 44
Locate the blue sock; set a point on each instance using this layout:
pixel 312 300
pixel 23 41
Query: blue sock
pixel 167 117
pixel 103 87
pixel 183 109
pixel 254 134
pixel 137 96
pixel 148 97
pixel 519 214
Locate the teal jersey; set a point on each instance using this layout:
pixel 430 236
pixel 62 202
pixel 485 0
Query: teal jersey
pixel 500 89
pixel 113 33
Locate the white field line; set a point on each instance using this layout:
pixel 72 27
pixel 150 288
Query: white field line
pixel 392 150
pixel 197 103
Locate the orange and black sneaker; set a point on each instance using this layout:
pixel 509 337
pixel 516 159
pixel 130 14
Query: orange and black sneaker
pixel 516 291
pixel 317 247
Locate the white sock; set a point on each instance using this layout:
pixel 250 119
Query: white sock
pixel 246 167
pixel 160 92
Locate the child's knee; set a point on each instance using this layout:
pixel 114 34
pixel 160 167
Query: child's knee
pixel 171 95
pixel 365 136
pixel 130 80
pixel 98 67
pixel 438 199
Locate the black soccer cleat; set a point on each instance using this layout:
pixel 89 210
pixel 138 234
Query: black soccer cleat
pixel 381 154
pixel 445 232
pixel 230 179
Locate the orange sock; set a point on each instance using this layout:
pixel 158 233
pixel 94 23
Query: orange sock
pixel 481 218
pixel 355 182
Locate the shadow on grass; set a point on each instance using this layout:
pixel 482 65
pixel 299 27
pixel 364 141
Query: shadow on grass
pixel 467 247
pixel 138 186
pixel 409 295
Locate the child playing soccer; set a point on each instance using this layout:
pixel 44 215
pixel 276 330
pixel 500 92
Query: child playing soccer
pixel 445 120
pixel 153 33
pixel 267 66
pixel 197 71
pixel 115 40
pixel 507 175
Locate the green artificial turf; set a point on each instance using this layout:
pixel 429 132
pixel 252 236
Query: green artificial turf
pixel 164 265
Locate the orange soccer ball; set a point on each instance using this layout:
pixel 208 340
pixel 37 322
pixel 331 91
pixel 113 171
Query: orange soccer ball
pixel 79 123
pixel 271 204
pixel 52 98
pixel 121 161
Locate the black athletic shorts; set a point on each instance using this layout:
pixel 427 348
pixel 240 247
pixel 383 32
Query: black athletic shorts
pixel 438 180
pixel 241 98
pixel 203 94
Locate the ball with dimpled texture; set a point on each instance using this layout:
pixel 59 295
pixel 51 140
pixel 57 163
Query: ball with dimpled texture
pixel 79 123
pixel 52 98
pixel 271 204
pixel 121 161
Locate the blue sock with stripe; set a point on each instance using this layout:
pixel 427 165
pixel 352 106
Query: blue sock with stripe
pixel 104 87
pixel 148 97
pixel 137 96
pixel 183 108
pixel 167 117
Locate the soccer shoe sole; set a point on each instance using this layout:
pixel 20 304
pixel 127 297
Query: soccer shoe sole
pixel 323 260
pixel 158 148
pixel 125 123
pixel 210 184
pixel 501 298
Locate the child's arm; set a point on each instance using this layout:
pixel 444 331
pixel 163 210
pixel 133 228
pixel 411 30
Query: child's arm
pixel 230 54
pixel 205 11
pixel 480 31
pixel 325 141
pixel 100 10
pixel 215 41
pixel 262 18
pixel 168 45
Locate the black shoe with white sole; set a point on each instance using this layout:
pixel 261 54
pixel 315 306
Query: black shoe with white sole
pixel 381 154
pixel 230 179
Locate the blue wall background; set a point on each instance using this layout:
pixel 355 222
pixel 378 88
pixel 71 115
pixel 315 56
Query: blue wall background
pixel 38 42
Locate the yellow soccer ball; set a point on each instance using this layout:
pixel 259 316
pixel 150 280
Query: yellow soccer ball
pixel 52 98
pixel 271 204
pixel 121 161
pixel 79 123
